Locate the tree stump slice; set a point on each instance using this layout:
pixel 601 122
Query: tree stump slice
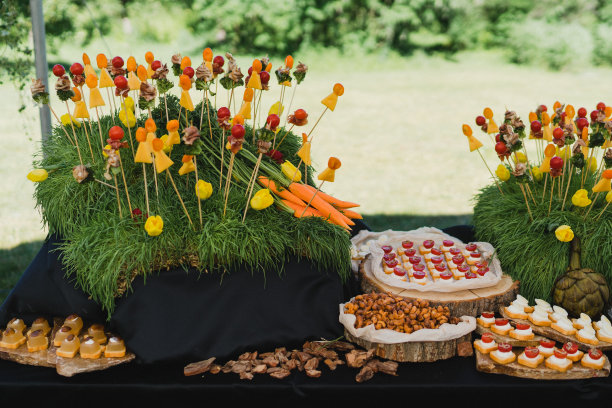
pixel 470 302
pixel 552 334
pixel 486 365
pixel 500 338
pixel 416 352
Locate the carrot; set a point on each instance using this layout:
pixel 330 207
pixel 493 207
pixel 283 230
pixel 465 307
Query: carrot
pixel 299 209
pixel 325 208
pixel 351 214
pixel 332 200
pixel 284 193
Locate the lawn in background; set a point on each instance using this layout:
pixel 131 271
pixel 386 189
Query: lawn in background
pixel 397 130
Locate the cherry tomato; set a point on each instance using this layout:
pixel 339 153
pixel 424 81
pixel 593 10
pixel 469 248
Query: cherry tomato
pixel 486 337
pixel 475 255
pixel 399 271
pixel 455 251
pixel 531 352
pixel 389 256
pixel 120 82
pixel 470 275
pixel 418 268
pixel 414 260
pixel 238 131
pixel 219 60
pixel 558 133
pixel 504 347
pixel 155 65
pixel 581 123
pixel 501 322
pixel 410 252
pixel 482 271
pixel 536 126
pixel 392 263
pixel 76 69
pixel 601 106
pixel 250 71
pixel 480 120
pixel 498 138
pixel 301 115
pixel 189 72
pixel 594 115
pixel 440 267
pixel 556 162
pixel 264 77
pixel 223 113
pixel 117 62
pixel 471 247
pixel 58 70
pixel 582 112
pixel 436 251
pixel 273 120
pixel 115 133
pixel 448 243
pixel 428 244
pixel 386 248
pixel 418 274
pixel 458 259
pixel 501 148
pixel 436 260
pixel 547 343
pixel 488 315
pixel 560 353
pixel 446 275
pixel 570 347
pixel 522 326
pixel 595 354
pixel 463 268
pixel 405 244
pixel 543 108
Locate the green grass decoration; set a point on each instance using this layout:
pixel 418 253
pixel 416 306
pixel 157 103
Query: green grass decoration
pixel 103 252
pixel 530 251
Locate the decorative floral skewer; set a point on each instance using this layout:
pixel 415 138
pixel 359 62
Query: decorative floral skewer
pixel 163 84
pixel 65 92
pixel 604 185
pixel 475 145
pixel 223 119
pixel 81 112
pixel 549 152
pixel 40 95
pixel 556 169
pixel 234 144
pixel 204 79
pixel 193 143
pixel 122 90
pixel 116 135
pixel 143 155
pixel 95 100
pixel 264 138
pixel 299 74
pixel 146 99
pixel 298 118
pixel 328 174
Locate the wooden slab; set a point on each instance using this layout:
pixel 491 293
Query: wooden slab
pixel 552 334
pixel 500 338
pixel 68 367
pixel 461 303
pixel 414 352
pixel 514 369
pixel 21 355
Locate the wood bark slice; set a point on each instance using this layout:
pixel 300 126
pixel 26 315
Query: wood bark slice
pixel 68 367
pixel 470 302
pixel 21 355
pixel 414 352
pixel 552 334
pixel 500 338
pixel 514 369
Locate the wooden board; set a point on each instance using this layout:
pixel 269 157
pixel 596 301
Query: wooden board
pixel 414 352
pixel 552 334
pixel 470 302
pixel 21 355
pixel 514 369
pixel 500 338
pixel 68 367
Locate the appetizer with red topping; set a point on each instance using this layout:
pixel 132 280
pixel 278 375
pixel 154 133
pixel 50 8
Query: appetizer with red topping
pixel 522 331
pixel 503 354
pixel 486 319
pixel 531 357
pixel 501 326
pixel 559 361
pixel 593 359
pixel 486 344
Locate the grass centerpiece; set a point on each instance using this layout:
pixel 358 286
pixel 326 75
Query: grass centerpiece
pixel 547 215
pixel 144 221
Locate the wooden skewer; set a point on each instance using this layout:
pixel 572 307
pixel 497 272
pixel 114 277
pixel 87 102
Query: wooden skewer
pixel 125 185
pixel 100 129
pixel 526 201
pixel 88 142
pixel 552 189
pixel 195 163
pixel 569 180
pixel 591 206
pixel 490 172
pixel 128 125
pixel 317 122
pixel 166 106
pixel 117 192
pixel 74 133
pixel 61 125
pixel 312 198
pixel 105 184
pixel 602 211
pixel 283 138
pixel 228 182
pixel 544 190
pixel 110 106
pixel 251 186
pixel 180 198
pixel 222 151
pixel 146 187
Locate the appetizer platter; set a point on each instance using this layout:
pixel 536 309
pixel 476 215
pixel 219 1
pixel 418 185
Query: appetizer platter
pixel 68 347
pixel 459 294
pixel 484 324
pixel 554 323
pixel 405 331
pixel 545 362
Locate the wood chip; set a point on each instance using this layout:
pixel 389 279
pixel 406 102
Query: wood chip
pixel 270 361
pixel 357 358
pixel 311 364
pixel 365 374
pixel 281 373
pixel 464 349
pixel 246 376
pixel 241 367
pixel 199 367
pixel 215 369
pixel 332 364
pixel 387 367
pixel 259 369
pixel 303 357
pixel 290 365
pixel 313 373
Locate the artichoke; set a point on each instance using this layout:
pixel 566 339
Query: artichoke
pixel 581 290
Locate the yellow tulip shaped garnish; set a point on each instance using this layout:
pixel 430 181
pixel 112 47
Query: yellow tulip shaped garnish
pixel 546 130
pixel 38 175
pixel 331 100
pixel 491 126
pixel 605 184
pixel 564 233
pixel 131 119
pixel 276 109
pixel 581 198
pixel 592 164
pixel 66 118
pixel 609 197
pixel 203 189
pixel 502 172
pixel 262 199
pixel 162 161
pixel 329 173
pixel 537 174
pixel 474 143
pixel 304 152
pixel 520 157
pixel 154 225
pixel 188 165
pixel 143 153
pixel 549 152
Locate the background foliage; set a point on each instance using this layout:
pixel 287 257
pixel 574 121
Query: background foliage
pixel 550 33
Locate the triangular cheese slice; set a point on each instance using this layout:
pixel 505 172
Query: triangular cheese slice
pixel 133 82
pixel 80 110
pixel 95 98
pixel 330 101
pixel 162 162
pixel 254 81
pixel 105 79
pixel 185 101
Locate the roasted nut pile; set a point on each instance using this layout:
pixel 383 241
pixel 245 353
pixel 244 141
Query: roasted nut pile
pixel 386 311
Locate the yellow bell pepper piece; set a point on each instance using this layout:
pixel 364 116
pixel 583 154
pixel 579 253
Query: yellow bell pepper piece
pixel 537 174
pixel 131 119
pixel 581 198
pixel 203 189
pixel 154 225
pixel 95 98
pixel 564 233
pixel 254 81
pixel 262 199
pixel 502 172
pixel 67 118
pixel 167 145
pixel 276 109
pixel 38 175
pixel 291 171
